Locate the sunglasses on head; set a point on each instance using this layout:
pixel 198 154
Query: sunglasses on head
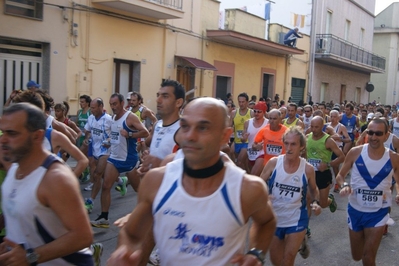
pixel 257 111
pixel 377 133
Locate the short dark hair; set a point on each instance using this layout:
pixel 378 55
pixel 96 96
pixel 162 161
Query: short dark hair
pixel 86 97
pixel 350 106
pixel 48 100
pixel 243 94
pixel 381 120
pixel 120 96
pixel 138 95
pixel 293 105
pixel 35 118
pixel 179 91
pixel 31 97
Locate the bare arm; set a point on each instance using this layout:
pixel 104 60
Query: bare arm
pixel 256 204
pixel 74 127
pixel 245 134
pixel 362 138
pixel 61 127
pixel 313 190
pixel 350 158
pixel 268 169
pixel 61 195
pixel 58 140
pixel 133 122
pixel 140 221
pixel 150 114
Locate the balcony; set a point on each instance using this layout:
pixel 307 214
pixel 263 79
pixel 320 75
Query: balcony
pixel 155 9
pixel 336 51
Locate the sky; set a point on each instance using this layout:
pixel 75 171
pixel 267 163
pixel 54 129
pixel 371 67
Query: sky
pixel 382 4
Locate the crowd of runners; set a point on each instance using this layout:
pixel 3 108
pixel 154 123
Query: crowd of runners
pixel 202 170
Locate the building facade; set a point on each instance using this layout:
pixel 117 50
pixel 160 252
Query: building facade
pixel 99 47
pixel 343 39
pixel 386 43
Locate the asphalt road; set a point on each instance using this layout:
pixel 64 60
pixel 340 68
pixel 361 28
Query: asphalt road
pixel 329 243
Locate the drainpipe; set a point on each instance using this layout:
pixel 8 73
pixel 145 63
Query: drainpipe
pixel 312 50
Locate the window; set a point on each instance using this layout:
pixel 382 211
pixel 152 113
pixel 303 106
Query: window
pixel 347 28
pixel 361 37
pixel 126 76
pixel 357 95
pixel 328 21
pixel 24 8
pixel 324 92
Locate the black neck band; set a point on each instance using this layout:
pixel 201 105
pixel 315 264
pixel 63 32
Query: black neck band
pixel 204 172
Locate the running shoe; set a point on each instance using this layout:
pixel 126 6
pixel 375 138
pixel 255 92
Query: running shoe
pixel 100 223
pixel 89 187
pixel 154 258
pixel 308 233
pixel 304 249
pixel 85 177
pixel 89 205
pixel 118 187
pixel 97 249
pixel 123 186
pixel 333 204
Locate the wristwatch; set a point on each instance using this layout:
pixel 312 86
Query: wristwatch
pixel 345 184
pixel 32 257
pixel 130 134
pixel 258 254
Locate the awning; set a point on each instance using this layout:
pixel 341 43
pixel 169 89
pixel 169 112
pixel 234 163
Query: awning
pixel 196 63
pixel 245 41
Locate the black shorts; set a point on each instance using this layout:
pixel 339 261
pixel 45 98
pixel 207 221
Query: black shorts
pixel 323 179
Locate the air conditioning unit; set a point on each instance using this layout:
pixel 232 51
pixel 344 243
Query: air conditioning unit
pixel 322 45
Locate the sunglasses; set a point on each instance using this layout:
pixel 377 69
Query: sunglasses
pixel 377 133
pixel 308 111
pixel 257 111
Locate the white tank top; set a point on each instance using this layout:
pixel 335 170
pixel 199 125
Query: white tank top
pixel 388 143
pixel 252 130
pixel 306 121
pixel 100 130
pixel 370 182
pixel 163 142
pixel 288 193
pixel 199 230
pixel 49 121
pixel 122 149
pixel 28 221
pixel 336 129
pixel 395 127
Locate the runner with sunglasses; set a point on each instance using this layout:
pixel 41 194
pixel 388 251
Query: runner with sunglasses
pixel 372 166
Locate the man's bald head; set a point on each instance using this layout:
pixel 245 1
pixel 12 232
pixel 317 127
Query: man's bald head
pixel 220 109
pixel 317 120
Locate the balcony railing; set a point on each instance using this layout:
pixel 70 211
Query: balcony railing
pixel 154 9
pixel 177 4
pixel 330 45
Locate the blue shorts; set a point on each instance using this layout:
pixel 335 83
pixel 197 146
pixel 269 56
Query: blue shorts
pixel 357 220
pixel 282 231
pixel 239 146
pixel 124 166
pixel 90 150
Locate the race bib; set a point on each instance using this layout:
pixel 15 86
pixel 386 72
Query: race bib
pixel 285 192
pixel 315 163
pixel 274 149
pixel 349 127
pixel 252 154
pixel 369 198
pixel 239 134
pixel 114 137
